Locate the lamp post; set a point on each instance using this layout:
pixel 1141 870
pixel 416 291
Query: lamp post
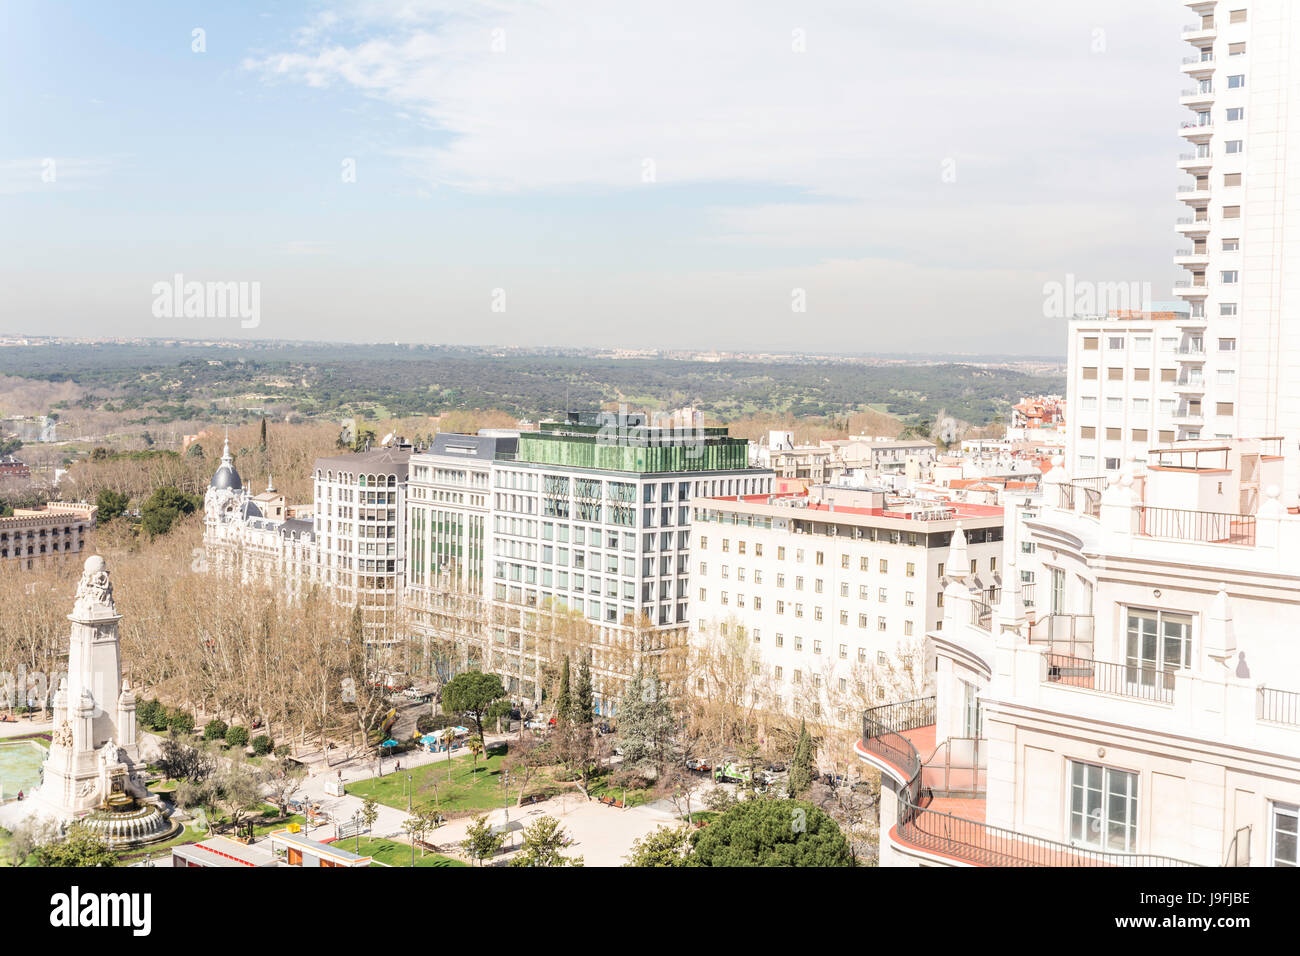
pixel 410 792
pixel 356 830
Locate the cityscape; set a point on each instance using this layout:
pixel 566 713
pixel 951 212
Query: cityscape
pixel 459 505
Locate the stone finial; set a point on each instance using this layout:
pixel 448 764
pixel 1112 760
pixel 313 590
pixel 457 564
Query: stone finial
pixel 1220 636
pixel 958 564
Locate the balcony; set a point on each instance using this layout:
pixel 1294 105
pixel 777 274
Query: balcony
pixel 1197 225
pixel 1199 32
pixel 1192 352
pixel 1192 288
pixel 1196 97
pixel 1204 527
pixel 1192 257
pixel 1199 194
pixel 1188 415
pixel 1198 65
pixel 1117 680
pixel 1191 162
pixel 1197 132
pixel 940 813
pixel 1082 495
pixel 1067 634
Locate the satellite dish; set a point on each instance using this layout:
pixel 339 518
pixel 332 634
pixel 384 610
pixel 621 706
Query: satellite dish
pixel 388 439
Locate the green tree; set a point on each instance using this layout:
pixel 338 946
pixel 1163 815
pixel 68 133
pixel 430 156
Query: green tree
pixel 262 745
pixel 666 846
pixel 182 722
pixel 195 451
pixel 771 833
pixel 215 729
pixel 237 736
pixel 79 847
pixel 472 692
pixel 263 438
pixel 801 765
pixel 480 841
pixel 369 813
pixel 544 839
pixel 646 723
pixel 161 509
pixel 110 504
pixel 564 699
pixel 584 705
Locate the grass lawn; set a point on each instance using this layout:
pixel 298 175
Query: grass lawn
pixel 396 854
pixel 632 797
pixel 469 787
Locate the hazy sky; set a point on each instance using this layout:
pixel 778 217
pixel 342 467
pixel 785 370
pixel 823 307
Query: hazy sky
pixel 626 173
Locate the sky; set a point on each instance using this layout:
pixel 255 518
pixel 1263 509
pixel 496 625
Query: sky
pixel 865 176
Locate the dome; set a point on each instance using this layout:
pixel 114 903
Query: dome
pixel 226 477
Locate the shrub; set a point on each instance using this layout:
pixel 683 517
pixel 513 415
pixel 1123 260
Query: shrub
pixel 237 736
pixel 283 750
pixel 181 722
pixel 215 729
pixel 262 745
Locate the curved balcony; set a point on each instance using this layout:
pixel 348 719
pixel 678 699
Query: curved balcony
pixel 952 830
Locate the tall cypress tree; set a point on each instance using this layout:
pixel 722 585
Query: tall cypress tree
pixel 584 706
pixel 564 701
pixel 263 433
pixel 801 767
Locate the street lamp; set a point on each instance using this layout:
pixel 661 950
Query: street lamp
pixel 410 792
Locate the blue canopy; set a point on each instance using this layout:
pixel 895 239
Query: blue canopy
pixel 390 742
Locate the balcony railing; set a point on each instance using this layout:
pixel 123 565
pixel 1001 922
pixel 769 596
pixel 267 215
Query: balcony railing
pixel 1278 706
pixel 1082 494
pixel 971 841
pixel 1207 527
pixel 1121 680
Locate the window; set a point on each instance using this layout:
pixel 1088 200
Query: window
pixel 1090 343
pixel 1115 404
pixel 1227 376
pixel 1158 643
pixel 1236 49
pixel 1087 431
pixel 1088 403
pixel 1227 308
pixel 1112 464
pixel 1141 374
pixel 1237 16
pixel 1089 373
pixel 1114 374
pixel 1115 342
pixel 1139 434
pixel 1235 114
pixel 1237 82
pixel 1232 179
pixel 1103 807
pixel 1227 345
pixel 1058 591
pixel 1166 435
pixel 1114 434
pixel 1282 841
pixel 1231 245
pixel 1228 276
pixel 1223 408
pixel 911 569
pixel 1141 405
pixel 844 652
pixel 884 566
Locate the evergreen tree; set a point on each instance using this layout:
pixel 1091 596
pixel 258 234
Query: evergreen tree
pixel 263 441
pixel 584 706
pixel 564 701
pixel 801 767
pixel 646 722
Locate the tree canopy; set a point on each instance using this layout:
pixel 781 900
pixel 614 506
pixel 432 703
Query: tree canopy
pixel 771 833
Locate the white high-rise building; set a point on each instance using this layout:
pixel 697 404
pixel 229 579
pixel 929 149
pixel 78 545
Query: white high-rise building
pixel 1242 227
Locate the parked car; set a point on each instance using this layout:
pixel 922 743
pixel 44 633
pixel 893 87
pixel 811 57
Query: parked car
pixel 536 723
pixel 698 765
pixel 774 766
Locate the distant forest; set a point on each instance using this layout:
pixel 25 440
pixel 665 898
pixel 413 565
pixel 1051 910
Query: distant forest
pixel 161 383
